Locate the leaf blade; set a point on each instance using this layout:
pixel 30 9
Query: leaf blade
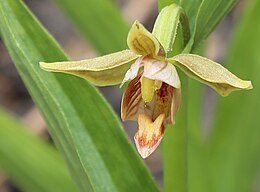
pixel 236 125
pixel 209 15
pixel 92 157
pixel 25 171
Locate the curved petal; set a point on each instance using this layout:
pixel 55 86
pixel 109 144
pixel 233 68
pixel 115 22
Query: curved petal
pixel 132 100
pixel 160 70
pixel 133 71
pixel 132 103
pixel 210 73
pixel 166 101
pixel 152 116
pixel 105 70
pixel 142 42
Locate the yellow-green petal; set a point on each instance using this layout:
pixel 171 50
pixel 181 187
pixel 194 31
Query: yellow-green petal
pixel 102 71
pixel 210 73
pixel 142 42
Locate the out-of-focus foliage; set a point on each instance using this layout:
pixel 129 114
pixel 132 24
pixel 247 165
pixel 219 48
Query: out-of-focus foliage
pixel 234 152
pixel 99 21
pixel 81 123
pixel 32 164
pixel 209 14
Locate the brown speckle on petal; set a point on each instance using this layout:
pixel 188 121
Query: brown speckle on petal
pixel 153 116
pixel 164 98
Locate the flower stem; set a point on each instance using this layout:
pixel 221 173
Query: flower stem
pixel 175 141
pixel 175 150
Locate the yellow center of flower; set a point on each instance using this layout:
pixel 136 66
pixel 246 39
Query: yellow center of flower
pixel 148 86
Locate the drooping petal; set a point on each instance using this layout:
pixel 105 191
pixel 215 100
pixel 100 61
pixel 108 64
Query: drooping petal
pixel 105 70
pixel 149 134
pixel 160 70
pixel 210 73
pixel 133 71
pixel 132 101
pixel 166 101
pixel 142 42
pixel 152 116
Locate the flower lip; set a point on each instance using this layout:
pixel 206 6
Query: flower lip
pixel 152 116
pixel 149 134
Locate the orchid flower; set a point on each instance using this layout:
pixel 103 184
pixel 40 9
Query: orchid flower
pixel 153 95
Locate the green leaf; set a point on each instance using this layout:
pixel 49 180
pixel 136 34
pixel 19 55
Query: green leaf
pixel 234 150
pixel 209 15
pixel 191 8
pixel 175 148
pixel 81 123
pixel 197 171
pixel 32 164
pixel 100 21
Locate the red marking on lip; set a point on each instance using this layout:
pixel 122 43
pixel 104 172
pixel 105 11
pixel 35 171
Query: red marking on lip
pixel 162 92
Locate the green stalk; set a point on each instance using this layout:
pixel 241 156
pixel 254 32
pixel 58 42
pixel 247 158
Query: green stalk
pixel 175 141
pixel 172 30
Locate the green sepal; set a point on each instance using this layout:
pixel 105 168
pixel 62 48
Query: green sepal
pixel 142 42
pixel 102 71
pixel 209 73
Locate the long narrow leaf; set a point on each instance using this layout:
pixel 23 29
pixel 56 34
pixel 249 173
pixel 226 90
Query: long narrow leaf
pixel 32 164
pixel 81 123
pixel 210 13
pixel 235 151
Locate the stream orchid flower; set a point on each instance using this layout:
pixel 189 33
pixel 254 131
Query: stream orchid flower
pixel 153 95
